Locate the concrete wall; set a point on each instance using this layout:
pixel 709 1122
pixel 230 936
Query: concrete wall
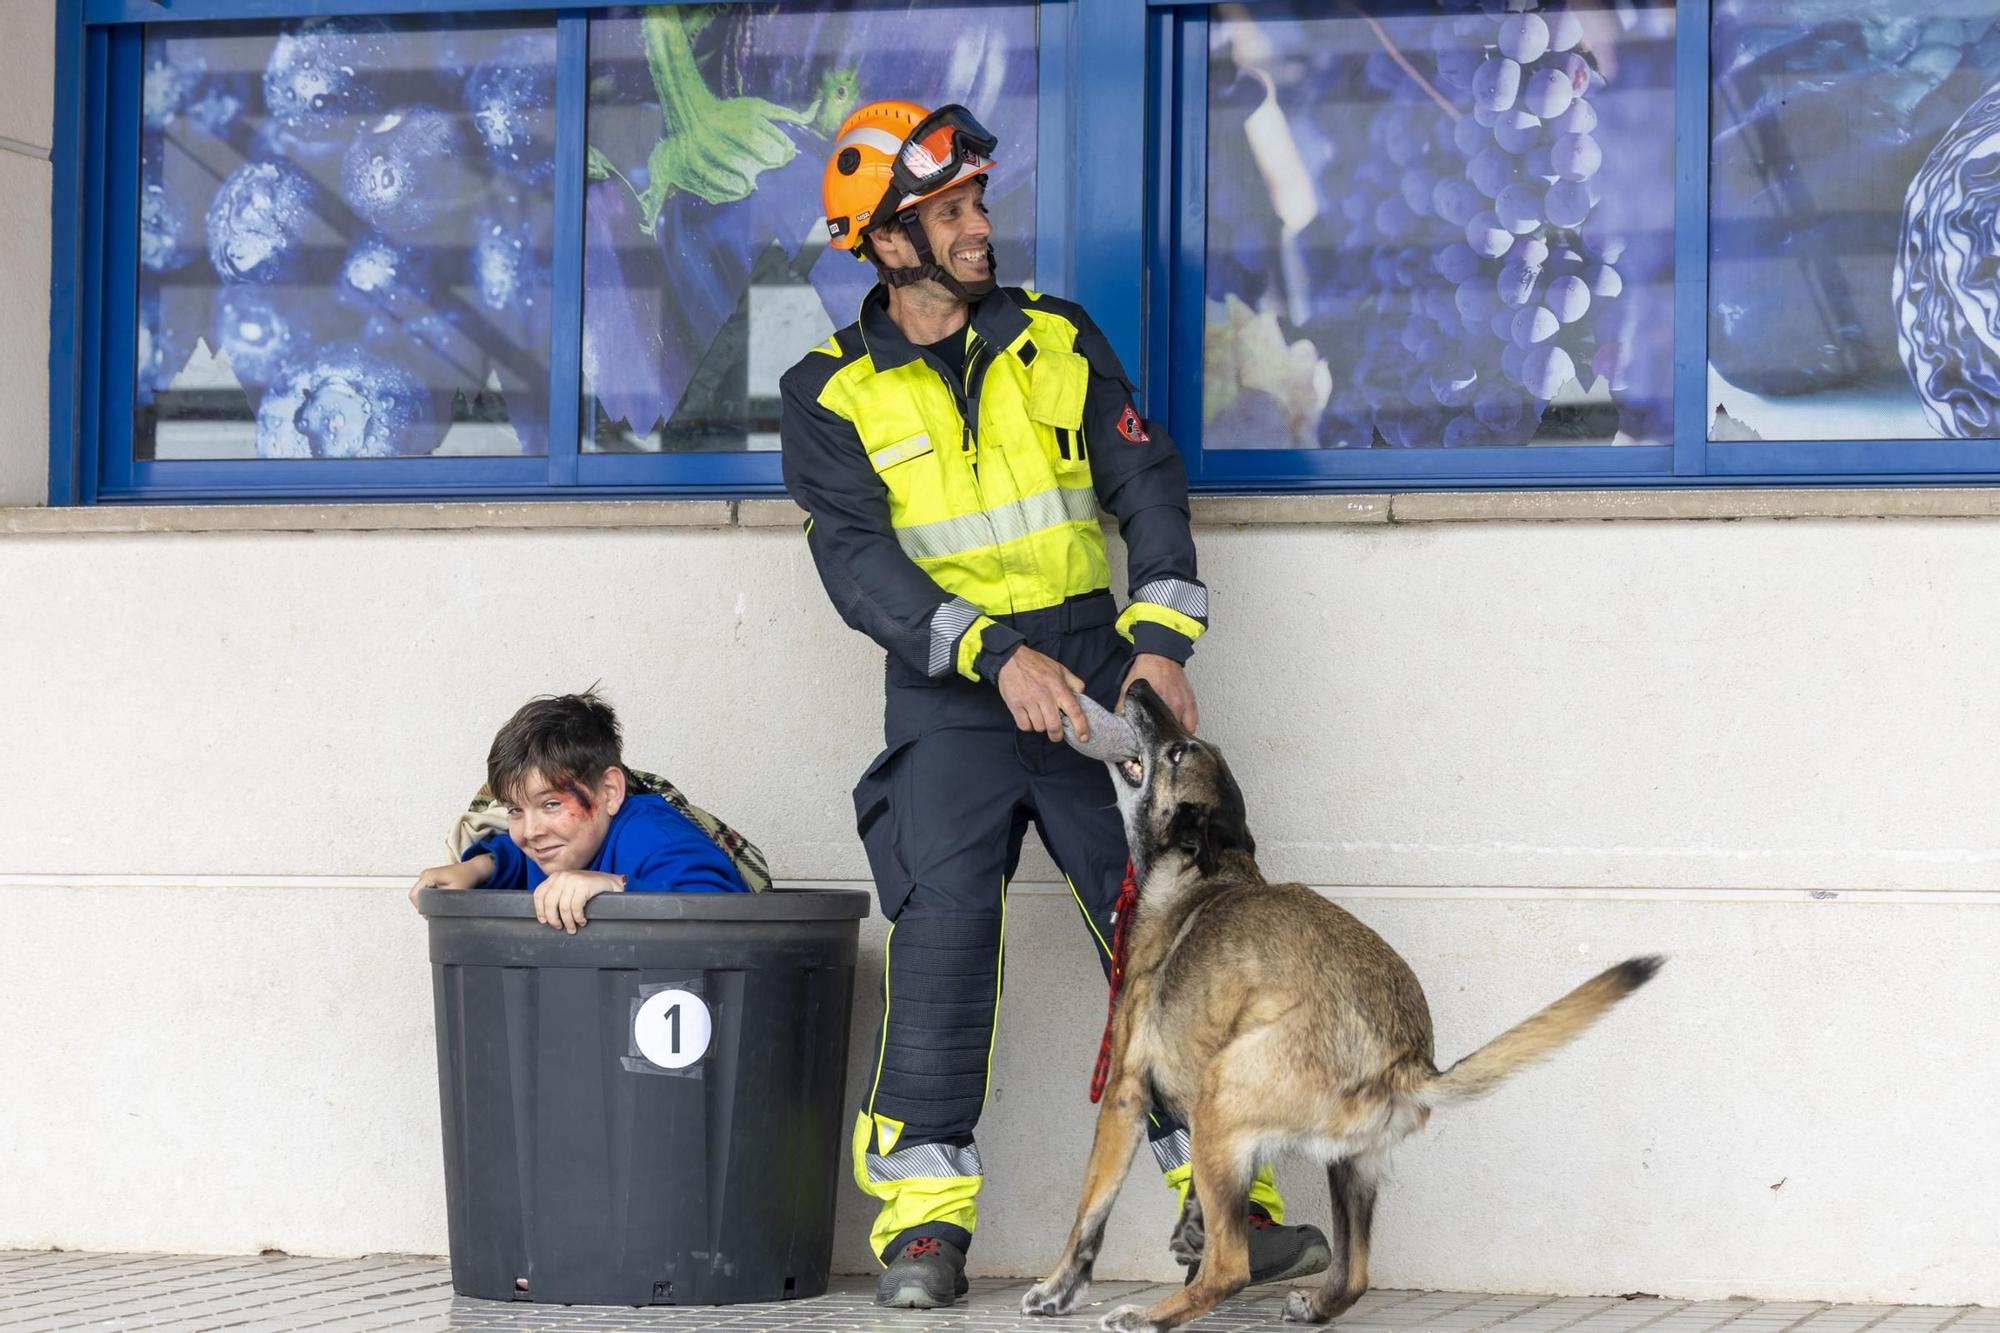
pixel 1522 751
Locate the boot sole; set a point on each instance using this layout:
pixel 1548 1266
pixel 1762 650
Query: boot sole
pixel 915 1297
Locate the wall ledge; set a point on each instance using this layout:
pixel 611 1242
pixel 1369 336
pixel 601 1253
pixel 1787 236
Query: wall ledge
pixel 1713 504
pixel 1557 893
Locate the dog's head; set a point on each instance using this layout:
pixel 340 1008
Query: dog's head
pixel 1177 795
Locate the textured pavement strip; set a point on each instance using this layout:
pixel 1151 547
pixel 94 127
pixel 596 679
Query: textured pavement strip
pixel 57 1291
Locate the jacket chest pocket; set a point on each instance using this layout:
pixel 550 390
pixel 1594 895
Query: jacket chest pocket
pixel 1057 384
pixel 907 454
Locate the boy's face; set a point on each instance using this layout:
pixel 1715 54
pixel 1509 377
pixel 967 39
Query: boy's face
pixel 555 828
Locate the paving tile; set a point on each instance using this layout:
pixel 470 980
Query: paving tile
pixel 51 1290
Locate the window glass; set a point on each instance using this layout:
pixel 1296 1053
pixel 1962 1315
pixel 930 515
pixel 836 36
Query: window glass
pixel 706 268
pixel 1437 229
pixel 344 239
pixel 1854 284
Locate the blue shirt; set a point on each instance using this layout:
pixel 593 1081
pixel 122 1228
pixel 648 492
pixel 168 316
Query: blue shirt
pixel 654 846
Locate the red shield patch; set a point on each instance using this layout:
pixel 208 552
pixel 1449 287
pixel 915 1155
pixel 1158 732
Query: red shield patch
pixel 1131 428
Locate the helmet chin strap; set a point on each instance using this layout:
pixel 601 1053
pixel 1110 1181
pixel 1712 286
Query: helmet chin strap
pixel 927 265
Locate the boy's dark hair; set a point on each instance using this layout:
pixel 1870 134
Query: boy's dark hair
pixel 570 739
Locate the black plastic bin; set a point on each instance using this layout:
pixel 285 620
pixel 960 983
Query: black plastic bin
pixel 649 1111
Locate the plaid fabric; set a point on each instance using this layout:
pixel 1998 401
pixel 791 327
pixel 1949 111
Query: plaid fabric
pixel 485 816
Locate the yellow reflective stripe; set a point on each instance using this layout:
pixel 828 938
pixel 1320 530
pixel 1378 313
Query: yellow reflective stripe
pixel 1002 523
pixel 1159 615
pixel 999 973
pixel 969 645
pixel 864 1120
pixel 882 1054
pixel 1088 920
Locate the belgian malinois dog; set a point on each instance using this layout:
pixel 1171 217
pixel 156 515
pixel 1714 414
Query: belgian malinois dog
pixel 1271 1021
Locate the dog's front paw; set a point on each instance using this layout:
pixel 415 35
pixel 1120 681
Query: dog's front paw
pixel 1300 1308
pixel 1052 1296
pixel 1129 1319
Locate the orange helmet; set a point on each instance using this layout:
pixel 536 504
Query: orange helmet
pixel 890 156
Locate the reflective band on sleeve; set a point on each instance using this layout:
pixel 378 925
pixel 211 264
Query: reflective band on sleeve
pixel 1190 599
pixel 948 625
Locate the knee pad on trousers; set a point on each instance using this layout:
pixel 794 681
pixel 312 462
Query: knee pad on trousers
pixel 943 991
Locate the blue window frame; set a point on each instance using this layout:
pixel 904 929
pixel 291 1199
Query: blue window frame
pixel 113 440
pixel 1125 150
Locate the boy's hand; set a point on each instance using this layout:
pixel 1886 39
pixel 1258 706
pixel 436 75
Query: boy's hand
pixel 458 875
pixel 560 899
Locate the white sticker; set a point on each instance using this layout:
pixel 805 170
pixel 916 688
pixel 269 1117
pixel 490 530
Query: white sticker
pixel 672 1028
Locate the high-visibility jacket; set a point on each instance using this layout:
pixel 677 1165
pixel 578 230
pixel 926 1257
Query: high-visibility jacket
pixel 936 502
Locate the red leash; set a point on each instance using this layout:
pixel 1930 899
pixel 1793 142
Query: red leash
pixel 1128 899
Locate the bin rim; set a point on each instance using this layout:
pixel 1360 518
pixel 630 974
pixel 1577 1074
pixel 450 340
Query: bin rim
pixel 775 904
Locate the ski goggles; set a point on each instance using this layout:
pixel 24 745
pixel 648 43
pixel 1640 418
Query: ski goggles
pixel 947 146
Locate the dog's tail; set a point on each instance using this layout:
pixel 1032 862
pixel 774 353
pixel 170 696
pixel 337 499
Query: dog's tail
pixel 1540 1036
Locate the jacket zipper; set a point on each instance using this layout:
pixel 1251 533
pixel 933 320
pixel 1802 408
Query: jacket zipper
pixel 967 394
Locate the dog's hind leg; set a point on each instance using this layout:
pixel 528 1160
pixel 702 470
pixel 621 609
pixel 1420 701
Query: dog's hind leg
pixel 1352 1181
pixel 1120 1125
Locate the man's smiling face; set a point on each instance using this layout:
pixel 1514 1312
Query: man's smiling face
pixel 960 236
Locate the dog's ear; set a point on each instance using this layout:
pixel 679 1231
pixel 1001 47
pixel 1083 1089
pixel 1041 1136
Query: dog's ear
pixel 1229 823
pixel 1205 833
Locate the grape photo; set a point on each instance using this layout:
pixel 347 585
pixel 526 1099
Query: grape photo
pixel 1439 224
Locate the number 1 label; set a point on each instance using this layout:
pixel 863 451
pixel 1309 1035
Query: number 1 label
pixel 672 1028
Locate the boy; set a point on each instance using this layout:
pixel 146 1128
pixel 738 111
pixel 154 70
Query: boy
pixel 577 824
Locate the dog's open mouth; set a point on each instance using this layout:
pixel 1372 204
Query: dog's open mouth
pixel 1132 772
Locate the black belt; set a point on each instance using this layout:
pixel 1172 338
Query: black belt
pixel 1089 611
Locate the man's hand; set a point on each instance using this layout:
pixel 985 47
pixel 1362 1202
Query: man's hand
pixel 1169 680
pixel 458 875
pixel 560 898
pixel 1040 692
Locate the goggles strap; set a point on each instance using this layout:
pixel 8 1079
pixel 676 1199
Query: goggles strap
pixel 928 267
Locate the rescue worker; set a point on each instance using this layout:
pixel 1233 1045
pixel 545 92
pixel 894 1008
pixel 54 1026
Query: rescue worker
pixel 951 450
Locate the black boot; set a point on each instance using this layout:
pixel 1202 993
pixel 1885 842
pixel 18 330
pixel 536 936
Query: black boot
pixel 1278 1252
pixel 928 1273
